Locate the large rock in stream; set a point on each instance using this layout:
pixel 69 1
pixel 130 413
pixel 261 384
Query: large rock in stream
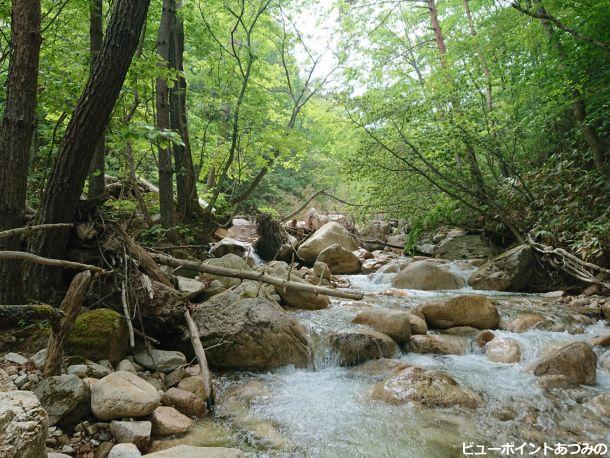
pixel 246 331
pixel 424 387
pixel 229 246
pixel 424 275
pixel 464 247
pixel 228 261
pixel 510 271
pixel 23 425
pixel 292 298
pixel 394 323
pixel 339 260
pixel 476 311
pixel 330 234
pixel 357 346
pixel 570 365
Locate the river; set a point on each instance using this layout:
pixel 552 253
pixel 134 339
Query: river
pixel 325 411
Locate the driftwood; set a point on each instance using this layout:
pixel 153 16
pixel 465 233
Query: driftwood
pixel 29 229
pixel 29 257
pixel 570 264
pixel 256 276
pixel 201 358
pixel 70 306
pixel 17 315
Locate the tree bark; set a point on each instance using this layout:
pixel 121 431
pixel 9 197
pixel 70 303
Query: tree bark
pixel 16 132
pixel 70 306
pixel 89 120
pixel 96 39
pixel 186 179
pixel 166 185
pixel 436 27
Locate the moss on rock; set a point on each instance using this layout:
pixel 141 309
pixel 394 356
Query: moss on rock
pixel 99 334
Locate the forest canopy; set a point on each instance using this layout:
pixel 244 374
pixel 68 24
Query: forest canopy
pixel 490 115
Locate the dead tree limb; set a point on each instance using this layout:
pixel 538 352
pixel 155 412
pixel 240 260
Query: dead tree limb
pixel 39 227
pixel 17 315
pixel 29 257
pixel 201 358
pixel 70 306
pixel 145 262
pixel 256 276
pixel 302 207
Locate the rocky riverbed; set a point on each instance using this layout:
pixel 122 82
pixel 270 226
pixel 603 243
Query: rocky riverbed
pixel 423 366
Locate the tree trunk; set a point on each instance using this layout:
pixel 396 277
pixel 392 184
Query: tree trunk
pixel 89 120
pixel 96 38
pixel 16 137
pixel 436 27
pixel 166 185
pixel 186 180
pixel 70 306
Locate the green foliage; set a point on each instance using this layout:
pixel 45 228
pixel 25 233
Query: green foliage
pixel 399 129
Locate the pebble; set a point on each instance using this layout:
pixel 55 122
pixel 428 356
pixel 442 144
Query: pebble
pixel 34 378
pixel 20 380
pixel 67 449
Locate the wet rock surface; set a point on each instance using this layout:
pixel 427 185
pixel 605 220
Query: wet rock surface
pixel 256 334
pixel 428 388
pixel 426 276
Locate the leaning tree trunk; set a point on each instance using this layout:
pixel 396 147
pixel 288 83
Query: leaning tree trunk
pixel 89 120
pixel 166 185
pixel 16 137
pixel 186 180
pixel 70 306
pixel 96 39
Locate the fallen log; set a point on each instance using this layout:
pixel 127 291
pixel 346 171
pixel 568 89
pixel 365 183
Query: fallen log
pixel 18 315
pixel 29 229
pixel 256 276
pixel 29 257
pixel 70 306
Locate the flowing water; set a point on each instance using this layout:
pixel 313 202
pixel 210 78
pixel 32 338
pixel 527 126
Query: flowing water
pixel 324 411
